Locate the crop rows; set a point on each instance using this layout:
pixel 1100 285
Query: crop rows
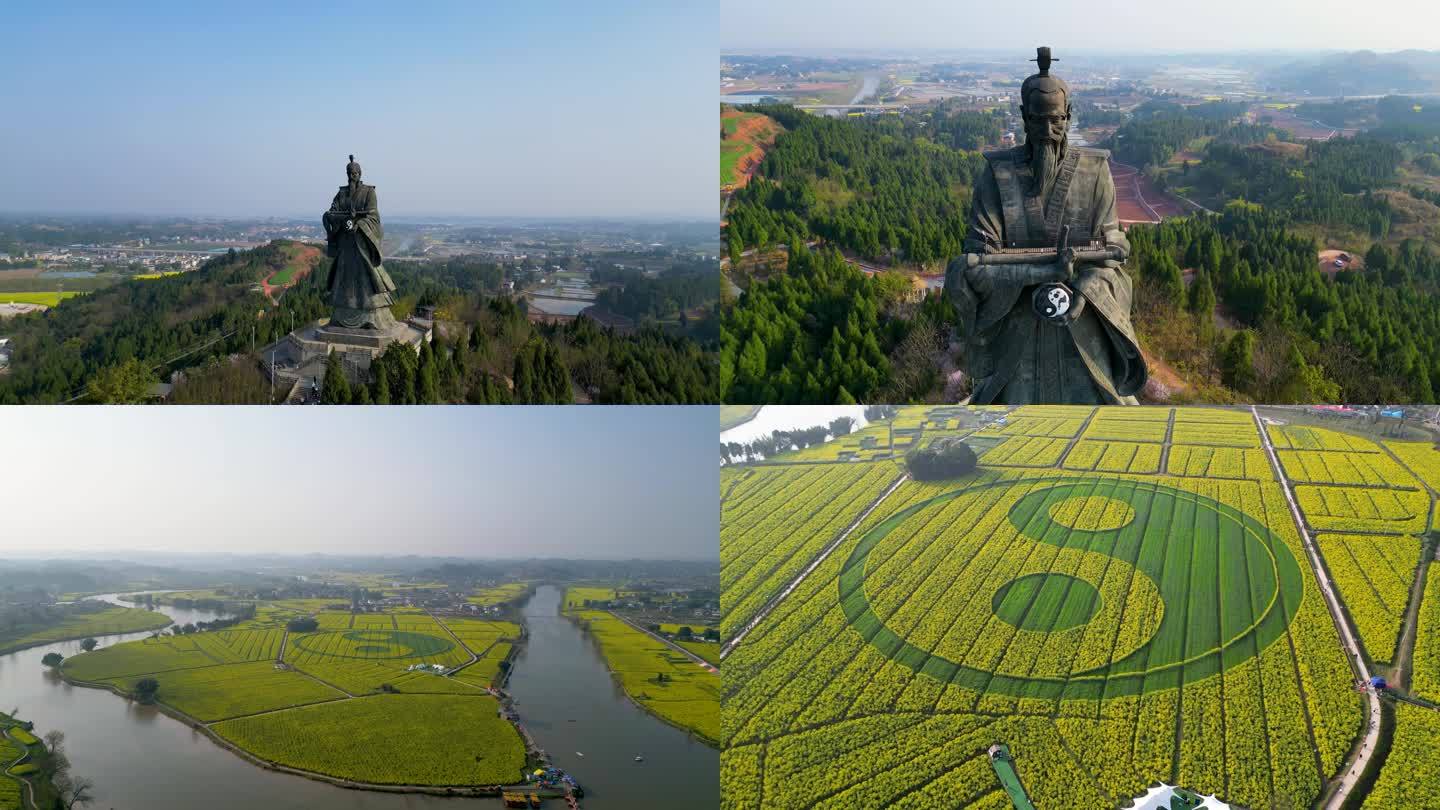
pixel 390 739
pixel 1026 451
pixel 231 690
pixel 1126 430
pixel 1216 434
pixel 485 671
pixel 1218 462
pixel 806 694
pixel 1128 414
pixel 1060 427
pixel 395 649
pixel 1295 437
pixel 771 538
pixel 1074 411
pixel 354 677
pixel 1426 663
pixel 1213 416
pixel 334 620
pixel 1374 575
pixel 1114 457
pixel 1422 458
pixel 1332 467
pixel 1342 509
pixel 1411 776
pixel 175 652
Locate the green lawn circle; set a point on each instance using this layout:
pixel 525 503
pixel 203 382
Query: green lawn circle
pixel 1076 601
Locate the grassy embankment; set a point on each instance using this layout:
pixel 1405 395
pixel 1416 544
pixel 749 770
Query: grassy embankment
pixel 687 697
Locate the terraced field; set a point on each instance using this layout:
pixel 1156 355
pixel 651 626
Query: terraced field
pixel 1121 595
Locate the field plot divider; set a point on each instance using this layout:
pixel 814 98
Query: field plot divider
pixel 1363 753
pixel 1084 426
pixel 815 563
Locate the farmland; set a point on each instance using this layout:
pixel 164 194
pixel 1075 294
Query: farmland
pixel 374 739
pixel 1121 595
pixel 48 299
pixel 78 622
pixel 687 696
pixel 339 700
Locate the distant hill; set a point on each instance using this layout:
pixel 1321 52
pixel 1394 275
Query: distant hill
pixel 1359 73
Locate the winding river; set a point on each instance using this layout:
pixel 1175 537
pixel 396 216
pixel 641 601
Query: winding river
pixel 141 759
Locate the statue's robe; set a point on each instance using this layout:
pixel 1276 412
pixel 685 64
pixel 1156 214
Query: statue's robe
pixel 1013 355
pixel 361 292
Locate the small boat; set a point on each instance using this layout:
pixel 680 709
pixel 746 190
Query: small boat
pixel 578 754
pixel 639 758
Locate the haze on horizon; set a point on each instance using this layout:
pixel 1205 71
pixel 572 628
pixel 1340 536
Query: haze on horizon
pixel 589 482
pixel 1097 25
pixel 550 109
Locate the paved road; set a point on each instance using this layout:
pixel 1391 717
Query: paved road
pixel 1353 767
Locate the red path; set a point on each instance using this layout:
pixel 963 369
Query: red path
pixel 1137 199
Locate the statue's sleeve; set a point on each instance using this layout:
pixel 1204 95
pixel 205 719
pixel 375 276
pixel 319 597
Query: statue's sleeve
pixel 1106 222
pixel 987 224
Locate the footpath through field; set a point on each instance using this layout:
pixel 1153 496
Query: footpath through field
pixel 28 793
pixel 1359 758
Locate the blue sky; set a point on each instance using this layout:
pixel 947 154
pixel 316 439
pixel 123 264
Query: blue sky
pixel 1093 25
pixel 580 482
pixel 528 109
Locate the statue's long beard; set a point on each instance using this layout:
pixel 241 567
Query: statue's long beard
pixel 1045 163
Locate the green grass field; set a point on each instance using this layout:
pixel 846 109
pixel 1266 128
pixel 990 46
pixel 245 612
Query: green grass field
pixel 690 695
pixel 390 739
pixel 1132 607
pixel 48 299
pixel 99 623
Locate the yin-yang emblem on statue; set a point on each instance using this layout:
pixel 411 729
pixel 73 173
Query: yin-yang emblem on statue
pixel 1052 302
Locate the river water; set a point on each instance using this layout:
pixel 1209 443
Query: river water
pixel 141 759
pixel 792 417
pixel 566 698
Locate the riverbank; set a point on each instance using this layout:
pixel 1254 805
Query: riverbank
pixel 694 706
pixel 478 791
pixel 733 416
pixel 105 623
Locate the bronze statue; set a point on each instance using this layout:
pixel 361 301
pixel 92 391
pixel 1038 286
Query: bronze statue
pixel 361 292
pixel 1043 301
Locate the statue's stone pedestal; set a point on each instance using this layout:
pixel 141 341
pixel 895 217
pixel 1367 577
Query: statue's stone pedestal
pixel 297 361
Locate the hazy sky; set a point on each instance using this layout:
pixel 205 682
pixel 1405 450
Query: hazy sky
pixel 578 482
pixel 1167 25
pixel 539 108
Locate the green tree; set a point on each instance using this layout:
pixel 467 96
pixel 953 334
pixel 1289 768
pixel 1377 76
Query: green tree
pixel 127 383
pixel 146 689
pixel 52 659
pixel 335 389
pixel 88 644
pixel 1237 363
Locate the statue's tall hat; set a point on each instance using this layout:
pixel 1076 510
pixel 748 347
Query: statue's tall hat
pixel 1043 82
pixel 352 165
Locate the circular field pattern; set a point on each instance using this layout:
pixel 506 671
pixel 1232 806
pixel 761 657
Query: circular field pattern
pixel 1201 587
pixel 373 644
